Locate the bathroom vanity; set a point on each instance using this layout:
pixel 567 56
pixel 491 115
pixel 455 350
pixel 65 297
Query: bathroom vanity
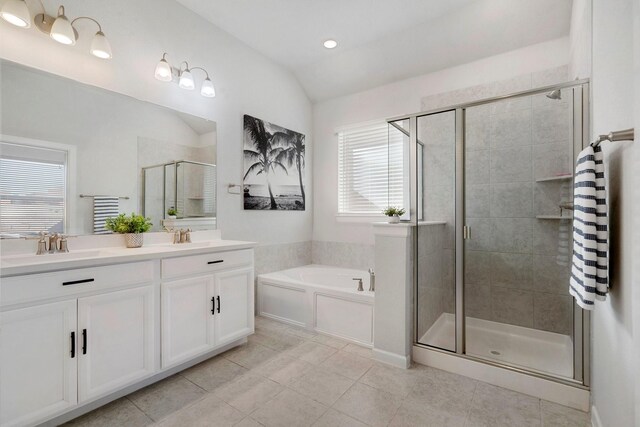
pixel 83 328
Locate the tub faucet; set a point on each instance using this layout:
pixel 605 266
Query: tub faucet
pixel 360 288
pixel 372 280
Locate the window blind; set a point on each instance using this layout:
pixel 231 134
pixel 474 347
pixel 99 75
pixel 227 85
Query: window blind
pixel 371 173
pixel 32 189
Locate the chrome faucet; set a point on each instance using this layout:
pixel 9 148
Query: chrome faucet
pixel 359 279
pixel 42 243
pixel 372 280
pixel 53 243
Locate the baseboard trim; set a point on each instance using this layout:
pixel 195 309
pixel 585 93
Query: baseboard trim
pixel 391 358
pixel 552 391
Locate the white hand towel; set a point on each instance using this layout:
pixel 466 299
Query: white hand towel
pixel 589 279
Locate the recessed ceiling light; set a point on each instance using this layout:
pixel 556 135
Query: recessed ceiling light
pixel 330 44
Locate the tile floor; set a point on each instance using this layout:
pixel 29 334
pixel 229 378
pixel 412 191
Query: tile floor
pixel 286 376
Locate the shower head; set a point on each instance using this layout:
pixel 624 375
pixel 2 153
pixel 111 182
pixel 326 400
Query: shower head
pixel 556 94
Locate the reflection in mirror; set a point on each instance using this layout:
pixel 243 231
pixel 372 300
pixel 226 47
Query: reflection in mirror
pixel 64 142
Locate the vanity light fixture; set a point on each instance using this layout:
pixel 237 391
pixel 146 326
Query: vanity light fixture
pixel 165 73
pixel 59 28
pixel 16 12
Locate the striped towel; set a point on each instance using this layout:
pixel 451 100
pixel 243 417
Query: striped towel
pixel 589 279
pixel 104 207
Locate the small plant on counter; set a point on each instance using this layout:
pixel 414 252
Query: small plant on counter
pixel 172 212
pixel 131 226
pixel 394 214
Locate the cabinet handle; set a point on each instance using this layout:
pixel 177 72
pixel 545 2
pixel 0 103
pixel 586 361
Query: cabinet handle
pixel 73 345
pixel 77 282
pixel 84 341
pixel 213 306
pixel 216 262
pixel 218 303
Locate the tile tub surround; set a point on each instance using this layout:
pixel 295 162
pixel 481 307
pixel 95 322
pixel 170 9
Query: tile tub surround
pixel 284 389
pixel 282 256
pixel 514 271
pixel 343 254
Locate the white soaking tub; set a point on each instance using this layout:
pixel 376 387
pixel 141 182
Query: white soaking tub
pixel 320 298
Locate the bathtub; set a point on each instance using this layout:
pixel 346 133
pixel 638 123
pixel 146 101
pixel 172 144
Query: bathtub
pixel 319 298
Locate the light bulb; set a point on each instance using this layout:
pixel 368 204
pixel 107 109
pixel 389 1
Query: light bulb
pixel 207 88
pixel 330 44
pixel 100 46
pixel 163 71
pixel 61 30
pixel 186 80
pixel 17 13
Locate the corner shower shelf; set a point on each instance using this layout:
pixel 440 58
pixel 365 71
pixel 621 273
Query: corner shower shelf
pixel 552 217
pixel 554 178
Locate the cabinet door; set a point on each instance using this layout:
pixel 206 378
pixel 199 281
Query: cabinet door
pixel 234 304
pixel 38 370
pixel 116 337
pixel 187 319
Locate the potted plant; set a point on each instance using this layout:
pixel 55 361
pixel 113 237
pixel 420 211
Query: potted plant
pixel 131 226
pixel 394 214
pixel 172 213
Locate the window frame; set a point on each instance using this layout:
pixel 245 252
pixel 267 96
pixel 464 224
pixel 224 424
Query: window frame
pixel 364 216
pixel 70 207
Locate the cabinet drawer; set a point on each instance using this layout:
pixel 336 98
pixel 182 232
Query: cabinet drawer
pixel 183 266
pixel 34 287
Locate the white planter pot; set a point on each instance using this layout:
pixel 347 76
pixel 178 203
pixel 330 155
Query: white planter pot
pixel 134 240
pixel 394 219
pixel 171 217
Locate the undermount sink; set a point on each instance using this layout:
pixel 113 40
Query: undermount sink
pixel 191 245
pixel 60 256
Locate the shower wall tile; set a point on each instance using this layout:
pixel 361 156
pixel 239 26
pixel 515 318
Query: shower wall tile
pixel 477 128
pixel 551 274
pixel 552 123
pixel 512 235
pixel 512 306
pixel 513 200
pixel 510 105
pixel 553 159
pixel 511 165
pixel 548 195
pixel 553 313
pixel 477 268
pixel 478 206
pixel 477 300
pixel 439 165
pixel 270 258
pixel 343 254
pixel 512 270
pixel 477 166
pixel 511 129
pixel 512 85
pixel 549 236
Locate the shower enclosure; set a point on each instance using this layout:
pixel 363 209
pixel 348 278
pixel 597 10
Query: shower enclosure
pixel 186 186
pixel 491 185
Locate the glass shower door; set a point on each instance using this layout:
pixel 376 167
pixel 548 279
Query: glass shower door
pixel 518 173
pixel 436 193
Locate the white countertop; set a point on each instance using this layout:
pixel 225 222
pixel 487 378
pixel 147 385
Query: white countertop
pixel 14 265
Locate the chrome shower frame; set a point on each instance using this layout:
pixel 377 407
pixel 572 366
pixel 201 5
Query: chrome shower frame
pixel 581 135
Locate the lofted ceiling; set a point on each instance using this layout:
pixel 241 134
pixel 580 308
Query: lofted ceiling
pixel 381 41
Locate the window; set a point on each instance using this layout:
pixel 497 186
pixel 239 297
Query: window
pixel 372 170
pixel 32 189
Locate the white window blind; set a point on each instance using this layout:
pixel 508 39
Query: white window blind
pixel 371 172
pixel 32 189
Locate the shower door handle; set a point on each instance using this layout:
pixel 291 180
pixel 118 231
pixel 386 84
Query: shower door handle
pixel 466 232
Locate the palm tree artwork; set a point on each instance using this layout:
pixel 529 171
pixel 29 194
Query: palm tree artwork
pixel 270 152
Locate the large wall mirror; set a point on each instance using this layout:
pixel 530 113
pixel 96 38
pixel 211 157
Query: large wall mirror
pixel 73 154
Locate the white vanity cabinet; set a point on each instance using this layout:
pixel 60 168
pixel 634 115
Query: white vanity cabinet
pixel 38 362
pixel 72 337
pixel 206 310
